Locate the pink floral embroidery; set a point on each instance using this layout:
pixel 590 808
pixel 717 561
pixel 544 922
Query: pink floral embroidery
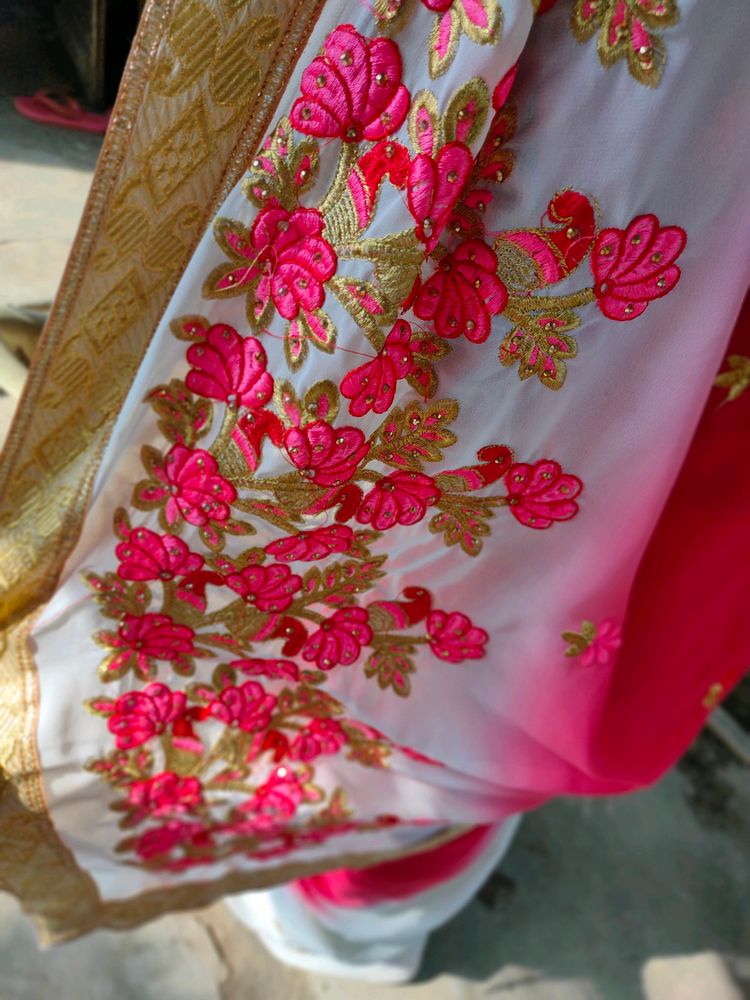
pixel 632 267
pixel 594 644
pixel 193 486
pixel 229 368
pixel 276 800
pixel 327 455
pixel 339 639
pixel 399 498
pixel 434 186
pixel 307 546
pixel 148 556
pixel 386 159
pixel 453 637
pixel 145 638
pixel 322 736
pixel 275 669
pixel 247 707
pixel 372 386
pixel 268 588
pixel 353 90
pixel 463 293
pixel 161 840
pixel 164 793
pixel 288 260
pixel 138 716
pixel 541 493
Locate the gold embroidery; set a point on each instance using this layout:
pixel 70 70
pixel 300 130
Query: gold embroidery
pixel 736 378
pixel 626 30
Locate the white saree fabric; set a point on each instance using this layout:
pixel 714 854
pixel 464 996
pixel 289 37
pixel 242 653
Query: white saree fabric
pixel 497 724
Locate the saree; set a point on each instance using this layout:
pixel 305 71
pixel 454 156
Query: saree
pixel 371 485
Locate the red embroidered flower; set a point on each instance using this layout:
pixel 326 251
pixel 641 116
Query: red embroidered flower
pixel 453 637
pixel 307 546
pixel 287 259
pixel 434 186
pixel 247 707
pixel 194 488
pixel 372 386
pixel 327 455
pixel 145 638
pixel 353 90
pixel 230 368
pixel 541 493
pixel 319 737
pixel 275 669
pixel 165 792
pixel 269 588
pixel 339 639
pixel 276 800
pixel 399 498
pixel 138 716
pixel 633 266
pixel 148 556
pixel 161 840
pixel 463 293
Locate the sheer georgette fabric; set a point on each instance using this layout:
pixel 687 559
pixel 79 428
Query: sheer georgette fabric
pixel 352 503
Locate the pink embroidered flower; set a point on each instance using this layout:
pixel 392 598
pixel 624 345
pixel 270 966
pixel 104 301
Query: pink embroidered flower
pixel 268 588
pixel 327 455
pixel 372 386
pixel 195 490
pixel 287 260
pixel 339 639
pixel 138 716
pixel 541 493
pixel 353 90
pixel 142 639
pixel 594 644
pixel 276 800
pixel 164 793
pixel 230 368
pixel 434 186
pixel 276 669
pixel 399 498
pixel 148 556
pixel 454 638
pixel 319 737
pixel 463 293
pixel 307 546
pixel 161 840
pixel 633 266
pixel 248 707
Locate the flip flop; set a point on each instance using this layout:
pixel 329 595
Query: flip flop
pixel 62 111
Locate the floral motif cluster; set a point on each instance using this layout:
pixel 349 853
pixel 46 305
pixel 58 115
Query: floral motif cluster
pixel 228 765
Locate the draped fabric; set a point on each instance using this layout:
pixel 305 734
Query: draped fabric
pixel 352 502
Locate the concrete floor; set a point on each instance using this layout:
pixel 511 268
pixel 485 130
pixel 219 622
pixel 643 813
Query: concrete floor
pixel 591 894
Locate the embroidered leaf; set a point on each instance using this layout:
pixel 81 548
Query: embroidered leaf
pixel 443 42
pixel 391 665
pixel 284 171
pixel 414 435
pixel 737 378
pixel 287 405
pixel 365 304
pixel 541 347
pixel 185 418
pixel 321 402
pixel 397 258
pixel 463 521
pixel 191 328
pixel 118 597
pixel 424 125
pixel 309 327
pixel 467 111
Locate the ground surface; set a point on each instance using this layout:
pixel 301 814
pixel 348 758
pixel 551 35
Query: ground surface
pixel 589 893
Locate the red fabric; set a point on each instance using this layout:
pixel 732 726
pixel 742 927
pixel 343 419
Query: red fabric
pixel 395 880
pixel 686 625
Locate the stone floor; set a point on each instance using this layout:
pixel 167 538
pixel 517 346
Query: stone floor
pixel 595 898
